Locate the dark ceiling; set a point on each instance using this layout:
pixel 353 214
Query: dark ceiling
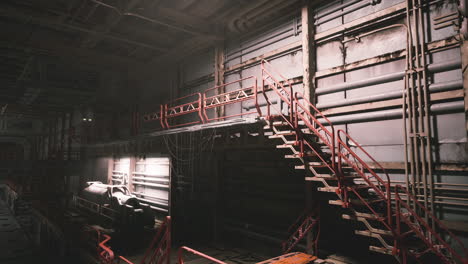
pixel 53 51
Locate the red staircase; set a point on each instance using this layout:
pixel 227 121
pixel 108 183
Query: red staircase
pixel 329 159
pixel 401 228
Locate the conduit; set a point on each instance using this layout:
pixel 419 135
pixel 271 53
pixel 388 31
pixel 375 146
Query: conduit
pixel 391 114
pixel 437 67
pixel 435 87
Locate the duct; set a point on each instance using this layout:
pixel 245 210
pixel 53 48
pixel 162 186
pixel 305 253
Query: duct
pixel 362 5
pixel 438 67
pixel 435 87
pixel 248 16
pixel 390 114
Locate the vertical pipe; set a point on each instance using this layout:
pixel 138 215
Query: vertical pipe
pixel 62 136
pixel 426 102
pixel 410 101
pixel 70 132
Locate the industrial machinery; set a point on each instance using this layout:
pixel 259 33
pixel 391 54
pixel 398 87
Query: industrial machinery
pixel 114 205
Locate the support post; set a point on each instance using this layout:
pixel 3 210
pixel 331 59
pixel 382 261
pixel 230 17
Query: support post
pixel 308 61
pixel 308 52
pixel 464 56
pixel 69 135
pixel 219 74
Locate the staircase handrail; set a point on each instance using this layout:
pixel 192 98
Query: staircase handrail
pixel 382 184
pixel 198 253
pixel 290 100
pixel 163 236
pixel 330 142
pixel 399 215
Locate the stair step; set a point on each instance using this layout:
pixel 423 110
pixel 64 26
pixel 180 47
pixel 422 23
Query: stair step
pixel 367 215
pixel 282 135
pixel 283 123
pixel 332 178
pixel 331 189
pixel 310 155
pixel 284 146
pixel 373 233
pixel 381 250
pixel 355 202
pixel 311 164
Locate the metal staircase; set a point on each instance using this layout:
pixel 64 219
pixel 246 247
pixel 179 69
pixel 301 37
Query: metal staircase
pixel 401 227
pixel 395 223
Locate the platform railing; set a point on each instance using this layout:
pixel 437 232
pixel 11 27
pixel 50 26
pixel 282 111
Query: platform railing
pixel 213 100
pixel 182 106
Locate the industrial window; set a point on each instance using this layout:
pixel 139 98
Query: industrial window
pixel 120 171
pixel 151 182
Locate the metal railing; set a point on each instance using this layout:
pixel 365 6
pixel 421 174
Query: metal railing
pixel 432 238
pixel 182 106
pixel 217 100
pixel 379 186
pixel 198 253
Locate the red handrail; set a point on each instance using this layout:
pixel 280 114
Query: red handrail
pixel 104 253
pixel 330 142
pixel 171 110
pixel 289 94
pixel 382 184
pixel 163 240
pixel 422 223
pixel 198 253
pixel 251 92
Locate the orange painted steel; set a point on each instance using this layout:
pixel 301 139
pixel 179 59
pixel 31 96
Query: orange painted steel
pixel 291 258
pixel 198 253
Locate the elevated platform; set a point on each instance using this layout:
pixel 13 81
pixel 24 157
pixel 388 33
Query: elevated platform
pixel 188 129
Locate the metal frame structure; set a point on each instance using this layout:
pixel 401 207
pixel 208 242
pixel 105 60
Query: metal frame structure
pixel 330 157
pixel 340 164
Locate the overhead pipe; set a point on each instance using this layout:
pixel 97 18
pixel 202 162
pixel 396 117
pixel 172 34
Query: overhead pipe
pixel 435 87
pixel 390 114
pixel 362 5
pixel 335 9
pixel 436 67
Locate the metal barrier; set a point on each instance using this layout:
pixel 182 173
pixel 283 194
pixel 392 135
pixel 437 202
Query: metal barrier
pixel 216 100
pixel 432 238
pixel 198 253
pixel 362 168
pixel 179 107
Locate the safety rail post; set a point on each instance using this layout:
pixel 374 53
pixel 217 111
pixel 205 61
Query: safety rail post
pixel 222 99
pixel 330 142
pixel 288 99
pixel 433 233
pixel 163 236
pixel 198 253
pixel 380 182
pixel 162 116
pixel 180 110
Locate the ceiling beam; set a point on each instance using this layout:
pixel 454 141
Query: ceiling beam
pixel 55 24
pixel 113 19
pixel 97 60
